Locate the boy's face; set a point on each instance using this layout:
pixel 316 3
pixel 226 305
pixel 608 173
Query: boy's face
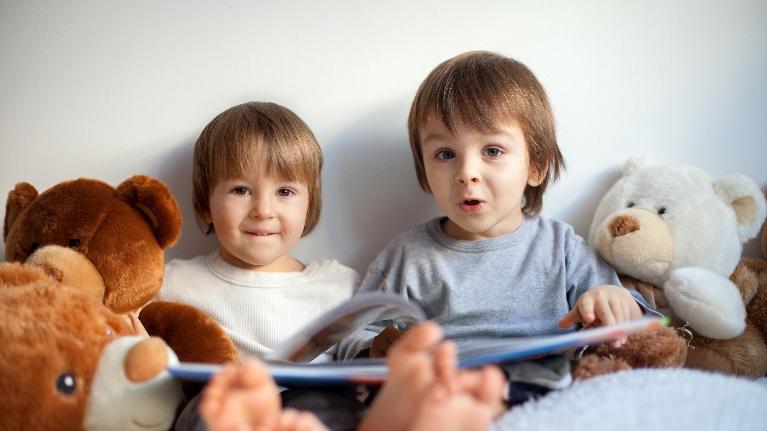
pixel 478 179
pixel 257 220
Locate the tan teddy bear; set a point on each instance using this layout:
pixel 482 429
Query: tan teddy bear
pixel 68 363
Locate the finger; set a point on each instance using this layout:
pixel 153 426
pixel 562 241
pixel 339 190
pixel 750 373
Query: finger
pixel 603 311
pixel 617 309
pixel 627 310
pixel 570 318
pixel 586 308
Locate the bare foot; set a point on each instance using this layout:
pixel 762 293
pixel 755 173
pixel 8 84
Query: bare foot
pixel 245 398
pixel 468 403
pixel 240 398
pixel 411 375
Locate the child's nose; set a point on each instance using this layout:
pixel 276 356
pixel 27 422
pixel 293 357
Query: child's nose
pixel 262 209
pixel 467 174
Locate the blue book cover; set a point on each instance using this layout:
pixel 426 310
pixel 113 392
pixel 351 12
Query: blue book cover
pixel 289 363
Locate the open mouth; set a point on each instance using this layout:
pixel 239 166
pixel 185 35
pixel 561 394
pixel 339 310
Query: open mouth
pixel 470 205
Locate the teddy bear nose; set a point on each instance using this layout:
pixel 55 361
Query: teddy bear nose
pixel 146 359
pixel 623 225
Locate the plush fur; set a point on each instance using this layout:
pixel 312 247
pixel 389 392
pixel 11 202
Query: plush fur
pixel 122 232
pixel 764 235
pixel 66 358
pixel 681 231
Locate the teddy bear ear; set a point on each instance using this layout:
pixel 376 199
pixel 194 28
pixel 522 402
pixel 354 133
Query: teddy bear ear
pixel 742 194
pixel 156 202
pixel 633 163
pixel 19 198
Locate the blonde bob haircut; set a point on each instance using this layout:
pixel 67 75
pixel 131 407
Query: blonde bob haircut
pixel 251 135
pixel 482 90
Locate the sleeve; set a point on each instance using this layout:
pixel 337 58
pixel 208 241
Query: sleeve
pixel 586 269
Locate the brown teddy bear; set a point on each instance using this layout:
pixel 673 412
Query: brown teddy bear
pixel 676 235
pixel 68 363
pixel 757 307
pixel 122 232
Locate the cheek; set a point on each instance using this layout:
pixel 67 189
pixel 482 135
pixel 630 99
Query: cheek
pixel 296 215
pixel 439 178
pixel 225 214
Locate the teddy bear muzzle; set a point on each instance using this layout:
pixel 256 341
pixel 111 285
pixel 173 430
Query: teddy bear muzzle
pixel 637 242
pixel 132 389
pixel 146 360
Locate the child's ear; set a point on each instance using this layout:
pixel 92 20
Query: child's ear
pixel 535 176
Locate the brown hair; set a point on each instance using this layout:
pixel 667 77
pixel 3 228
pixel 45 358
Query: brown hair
pixel 482 90
pixel 244 136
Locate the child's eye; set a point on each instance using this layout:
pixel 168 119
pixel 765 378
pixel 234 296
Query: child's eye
pixel 493 152
pixel 444 155
pixel 240 191
pixel 285 192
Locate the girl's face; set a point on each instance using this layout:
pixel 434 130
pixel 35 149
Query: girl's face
pixel 258 219
pixel 478 179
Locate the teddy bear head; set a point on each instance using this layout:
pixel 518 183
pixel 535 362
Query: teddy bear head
pixel 122 231
pixel 656 219
pixel 67 361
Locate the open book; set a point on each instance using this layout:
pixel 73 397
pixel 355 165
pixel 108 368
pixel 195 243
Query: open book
pixel 288 364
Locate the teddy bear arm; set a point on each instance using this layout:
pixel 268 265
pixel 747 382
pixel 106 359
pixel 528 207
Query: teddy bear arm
pixel 710 303
pixel 191 334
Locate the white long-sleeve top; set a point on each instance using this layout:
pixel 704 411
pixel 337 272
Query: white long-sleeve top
pixel 258 310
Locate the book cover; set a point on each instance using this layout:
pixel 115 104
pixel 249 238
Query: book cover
pixel 288 363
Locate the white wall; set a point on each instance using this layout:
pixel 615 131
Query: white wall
pixel 110 89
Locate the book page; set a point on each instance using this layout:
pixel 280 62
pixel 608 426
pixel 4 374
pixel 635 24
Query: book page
pixel 328 329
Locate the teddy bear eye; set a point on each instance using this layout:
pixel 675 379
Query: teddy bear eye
pixel 630 204
pixel 66 383
pixel 74 242
pixel 661 210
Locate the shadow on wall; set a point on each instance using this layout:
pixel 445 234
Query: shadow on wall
pixel 584 200
pixel 370 190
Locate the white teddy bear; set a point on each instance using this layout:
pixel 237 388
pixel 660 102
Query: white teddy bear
pixel 679 229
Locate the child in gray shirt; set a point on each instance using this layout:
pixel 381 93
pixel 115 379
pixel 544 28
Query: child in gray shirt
pixel 483 143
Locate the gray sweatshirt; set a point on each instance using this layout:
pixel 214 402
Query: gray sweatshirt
pixel 515 285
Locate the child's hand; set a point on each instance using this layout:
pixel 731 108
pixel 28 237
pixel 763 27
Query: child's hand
pixel 383 341
pixel 603 305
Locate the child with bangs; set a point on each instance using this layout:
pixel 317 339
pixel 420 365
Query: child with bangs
pixel 483 141
pixel 256 179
